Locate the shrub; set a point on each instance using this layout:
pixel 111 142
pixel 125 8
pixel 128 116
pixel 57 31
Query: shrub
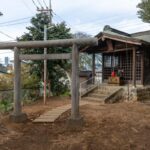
pixel 6 105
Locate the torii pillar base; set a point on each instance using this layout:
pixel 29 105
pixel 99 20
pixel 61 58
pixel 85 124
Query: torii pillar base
pixel 21 118
pixel 75 123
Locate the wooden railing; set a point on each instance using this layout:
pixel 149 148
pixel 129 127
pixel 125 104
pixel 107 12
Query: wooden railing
pixel 89 85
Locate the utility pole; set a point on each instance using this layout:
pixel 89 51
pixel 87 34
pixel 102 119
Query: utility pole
pixel 45 65
pixel 1 14
pixel 49 12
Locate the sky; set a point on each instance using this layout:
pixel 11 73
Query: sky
pixel 89 16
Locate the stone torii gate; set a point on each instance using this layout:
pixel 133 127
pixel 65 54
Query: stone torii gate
pixel 17 115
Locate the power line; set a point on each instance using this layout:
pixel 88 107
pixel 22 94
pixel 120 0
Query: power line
pixel 35 4
pixel 7 41
pixel 15 24
pixel 7 35
pixel 16 20
pixel 40 3
pixel 93 20
pixel 26 5
pixel 63 20
pixel 129 25
pixel 58 16
pixel 6 52
pixel 76 26
pixel 98 27
pixel 45 3
pixel 124 25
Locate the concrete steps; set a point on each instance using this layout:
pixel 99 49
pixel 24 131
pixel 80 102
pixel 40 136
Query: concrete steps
pixel 102 94
pixel 88 89
pixel 93 99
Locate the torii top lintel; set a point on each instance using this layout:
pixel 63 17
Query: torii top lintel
pixel 50 43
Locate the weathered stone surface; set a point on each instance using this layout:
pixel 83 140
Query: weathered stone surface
pixel 18 118
pixel 143 94
pixel 75 123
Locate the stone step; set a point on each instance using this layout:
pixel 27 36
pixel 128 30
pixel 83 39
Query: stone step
pixel 85 91
pixel 101 92
pixel 97 95
pixel 107 92
pixel 108 88
pixel 93 99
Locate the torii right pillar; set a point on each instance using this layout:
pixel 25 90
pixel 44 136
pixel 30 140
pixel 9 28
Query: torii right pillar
pixel 75 119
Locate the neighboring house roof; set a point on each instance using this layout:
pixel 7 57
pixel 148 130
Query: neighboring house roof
pixel 145 35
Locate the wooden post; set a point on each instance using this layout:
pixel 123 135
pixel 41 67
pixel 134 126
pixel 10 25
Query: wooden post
pixel 75 83
pixel 17 83
pixel 102 67
pixel 93 65
pixel 134 68
pixel 45 65
pixel 142 67
pixel 17 115
pixel 75 119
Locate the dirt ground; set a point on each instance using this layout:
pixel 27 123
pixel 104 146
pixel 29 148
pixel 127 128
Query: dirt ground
pixel 121 126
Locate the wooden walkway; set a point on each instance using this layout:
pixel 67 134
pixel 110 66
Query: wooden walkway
pixel 52 115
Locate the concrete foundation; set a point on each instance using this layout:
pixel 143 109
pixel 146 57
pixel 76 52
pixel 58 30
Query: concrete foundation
pixel 18 118
pixel 75 123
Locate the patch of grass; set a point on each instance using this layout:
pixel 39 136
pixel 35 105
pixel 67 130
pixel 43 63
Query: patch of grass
pixel 5 105
pixel 67 93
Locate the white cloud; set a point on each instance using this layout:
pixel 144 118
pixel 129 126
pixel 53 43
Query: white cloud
pixel 98 6
pixel 132 25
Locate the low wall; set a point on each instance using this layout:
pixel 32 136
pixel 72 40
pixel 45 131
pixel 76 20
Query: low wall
pixel 115 97
pixel 125 93
pixel 143 94
pixel 137 94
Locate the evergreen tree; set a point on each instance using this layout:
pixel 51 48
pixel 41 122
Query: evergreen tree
pixel 144 10
pixel 56 68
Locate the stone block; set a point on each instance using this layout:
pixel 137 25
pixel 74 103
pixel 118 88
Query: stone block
pixel 75 123
pixel 18 118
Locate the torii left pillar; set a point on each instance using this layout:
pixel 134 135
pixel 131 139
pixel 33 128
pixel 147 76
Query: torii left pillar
pixel 17 115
